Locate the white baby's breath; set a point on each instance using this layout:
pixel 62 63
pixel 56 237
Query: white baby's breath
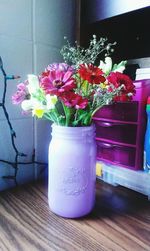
pixel 77 55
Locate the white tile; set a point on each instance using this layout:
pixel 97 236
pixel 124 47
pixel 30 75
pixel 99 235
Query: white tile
pixel 45 55
pixel 51 22
pixel 6 150
pixel 24 175
pixel 24 140
pixel 42 139
pixel 24 143
pixel 16 18
pixel 17 59
pixel 5 171
pixel 57 19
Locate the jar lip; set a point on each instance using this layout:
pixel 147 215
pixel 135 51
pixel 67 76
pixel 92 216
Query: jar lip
pixel 73 127
pixel 70 130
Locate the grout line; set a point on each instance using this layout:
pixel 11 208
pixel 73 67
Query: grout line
pixel 20 118
pixel 33 38
pixel 16 37
pixel 34 60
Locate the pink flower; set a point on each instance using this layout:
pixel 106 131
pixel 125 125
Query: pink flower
pixel 21 94
pixel 72 99
pixel 59 66
pixel 57 81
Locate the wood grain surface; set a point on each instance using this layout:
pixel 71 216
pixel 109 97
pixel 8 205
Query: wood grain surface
pixel 120 221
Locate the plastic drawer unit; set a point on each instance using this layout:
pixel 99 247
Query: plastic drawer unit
pixel 120 129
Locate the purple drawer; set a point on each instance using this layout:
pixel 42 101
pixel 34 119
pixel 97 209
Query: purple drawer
pixel 125 111
pixel 125 133
pixel 116 154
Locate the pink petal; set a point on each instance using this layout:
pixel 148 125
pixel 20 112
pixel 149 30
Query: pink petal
pixel 45 80
pixel 70 84
pixel 52 76
pixel 59 75
pixel 67 75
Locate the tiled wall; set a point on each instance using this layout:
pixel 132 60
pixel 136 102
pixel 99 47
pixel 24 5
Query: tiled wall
pixel 31 34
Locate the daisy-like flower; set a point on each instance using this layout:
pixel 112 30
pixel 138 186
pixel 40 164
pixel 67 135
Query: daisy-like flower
pixel 72 99
pixel 57 81
pixel 91 73
pixel 59 66
pixel 118 79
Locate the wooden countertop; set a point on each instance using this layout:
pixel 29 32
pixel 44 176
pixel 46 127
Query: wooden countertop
pixel 120 221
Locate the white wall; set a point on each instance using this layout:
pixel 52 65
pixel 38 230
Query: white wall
pixel 31 35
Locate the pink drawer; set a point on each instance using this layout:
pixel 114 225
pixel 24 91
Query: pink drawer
pixel 125 133
pixel 125 111
pixel 116 154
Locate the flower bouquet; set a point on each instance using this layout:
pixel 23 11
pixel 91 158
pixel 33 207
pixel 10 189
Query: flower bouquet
pixel 69 93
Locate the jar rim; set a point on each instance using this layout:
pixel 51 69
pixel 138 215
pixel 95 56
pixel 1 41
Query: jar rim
pixel 75 127
pixel 77 132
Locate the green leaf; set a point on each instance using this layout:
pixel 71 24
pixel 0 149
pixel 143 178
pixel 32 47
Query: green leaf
pixel 119 67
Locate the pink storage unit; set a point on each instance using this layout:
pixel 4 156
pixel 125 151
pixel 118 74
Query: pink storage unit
pixel 116 131
pixel 120 129
pixel 115 153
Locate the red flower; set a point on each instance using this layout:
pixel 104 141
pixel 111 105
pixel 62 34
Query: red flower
pixel 128 88
pixel 44 74
pixel 91 73
pixel 72 99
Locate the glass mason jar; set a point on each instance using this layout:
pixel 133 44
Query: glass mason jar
pixel 72 174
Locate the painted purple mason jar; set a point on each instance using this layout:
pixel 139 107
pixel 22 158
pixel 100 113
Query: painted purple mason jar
pixel 72 175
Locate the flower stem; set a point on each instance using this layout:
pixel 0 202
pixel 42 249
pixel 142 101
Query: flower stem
pixel 67 114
